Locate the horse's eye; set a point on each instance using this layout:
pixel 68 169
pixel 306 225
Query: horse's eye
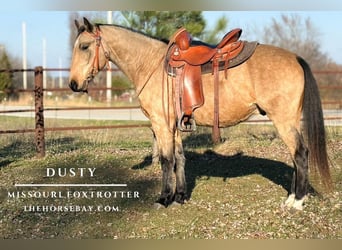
pixel 84 46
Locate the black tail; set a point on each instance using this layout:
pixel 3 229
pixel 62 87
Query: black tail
pixel 314 126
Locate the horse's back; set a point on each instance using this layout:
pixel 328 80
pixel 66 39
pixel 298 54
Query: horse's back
pixel 272 79
pixel 269 62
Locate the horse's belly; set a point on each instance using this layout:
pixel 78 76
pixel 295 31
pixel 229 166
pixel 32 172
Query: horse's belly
pixel 236 99
pixel 229 115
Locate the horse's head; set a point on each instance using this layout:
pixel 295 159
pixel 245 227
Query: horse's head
pixel 88 58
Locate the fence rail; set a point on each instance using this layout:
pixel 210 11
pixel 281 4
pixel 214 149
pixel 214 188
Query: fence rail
pixel 39 109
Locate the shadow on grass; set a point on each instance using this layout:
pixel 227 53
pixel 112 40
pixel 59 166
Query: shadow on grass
pixel 211 164
pixel 17 149
pixel 21 148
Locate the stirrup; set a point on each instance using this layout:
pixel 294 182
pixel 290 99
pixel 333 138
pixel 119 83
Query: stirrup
pixel 186 123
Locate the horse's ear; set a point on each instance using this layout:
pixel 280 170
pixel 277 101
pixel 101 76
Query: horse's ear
pixel 77 25
pixel 88 25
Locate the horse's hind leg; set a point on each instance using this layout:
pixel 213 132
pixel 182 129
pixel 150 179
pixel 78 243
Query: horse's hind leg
pixel 299 153
pixel 300 175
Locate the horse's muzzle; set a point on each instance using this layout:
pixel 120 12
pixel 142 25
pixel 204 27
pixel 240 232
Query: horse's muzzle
pixel 74 87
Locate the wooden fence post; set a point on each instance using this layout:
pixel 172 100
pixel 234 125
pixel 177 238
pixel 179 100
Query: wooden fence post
pixel 39 111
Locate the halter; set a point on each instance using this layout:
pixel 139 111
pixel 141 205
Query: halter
pixel 96 62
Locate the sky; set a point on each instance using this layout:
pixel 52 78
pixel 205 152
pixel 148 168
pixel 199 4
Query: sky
pixel 53 28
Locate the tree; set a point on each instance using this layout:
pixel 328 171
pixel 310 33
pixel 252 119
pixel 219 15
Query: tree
pixel 215 35
pixel 299 36
pixel 163 24
pixel 5 77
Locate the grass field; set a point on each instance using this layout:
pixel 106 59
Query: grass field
pixel 236 188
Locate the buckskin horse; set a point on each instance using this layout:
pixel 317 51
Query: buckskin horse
pixel 272 81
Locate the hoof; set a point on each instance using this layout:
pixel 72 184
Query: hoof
pixel 298 205
pixel 293 204
pixel 175 204
pixel 158 206
pixel 289 202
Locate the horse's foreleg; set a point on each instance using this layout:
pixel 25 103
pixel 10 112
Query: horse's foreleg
pixel 167 163
pixel 165 141
pixel 180 195
pixel 155 151
pixel 172 161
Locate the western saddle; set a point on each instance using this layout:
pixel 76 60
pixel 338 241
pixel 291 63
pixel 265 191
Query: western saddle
pixel 186 61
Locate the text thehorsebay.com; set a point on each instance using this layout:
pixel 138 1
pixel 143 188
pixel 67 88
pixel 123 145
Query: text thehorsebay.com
pixel 71 197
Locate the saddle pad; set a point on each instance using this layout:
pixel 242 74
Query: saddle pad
pixel 245 54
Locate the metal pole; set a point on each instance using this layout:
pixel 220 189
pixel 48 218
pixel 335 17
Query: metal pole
pixel 109 71
pixel 39 112
pixel 24 56
pixel 44 63
pixel 60 73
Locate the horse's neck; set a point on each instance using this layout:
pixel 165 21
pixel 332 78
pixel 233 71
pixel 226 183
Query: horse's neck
pixel 135 54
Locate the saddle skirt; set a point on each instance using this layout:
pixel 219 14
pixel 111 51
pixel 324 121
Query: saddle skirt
pixel 246 52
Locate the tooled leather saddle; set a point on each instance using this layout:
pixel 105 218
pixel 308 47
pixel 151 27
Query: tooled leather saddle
pixel 187 60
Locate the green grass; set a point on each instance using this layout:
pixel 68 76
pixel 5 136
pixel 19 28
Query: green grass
pixel 236 187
